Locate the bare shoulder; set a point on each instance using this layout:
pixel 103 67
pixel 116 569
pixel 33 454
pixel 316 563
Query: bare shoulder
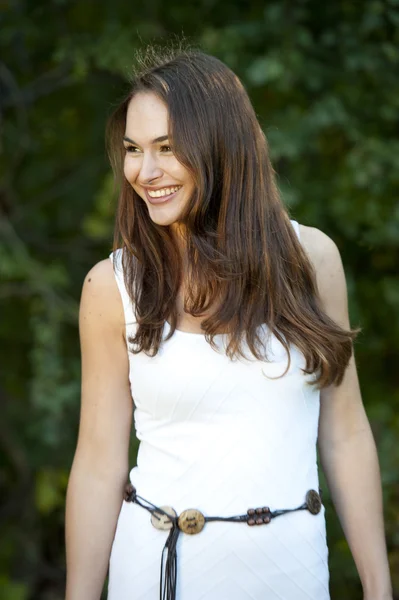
pixel 101 298
pixel 319 246
pixel 326 259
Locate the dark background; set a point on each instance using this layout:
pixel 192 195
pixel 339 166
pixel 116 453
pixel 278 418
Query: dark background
pixel 324 79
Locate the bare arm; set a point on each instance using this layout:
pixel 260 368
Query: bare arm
pixel 346 445
pixel 100 465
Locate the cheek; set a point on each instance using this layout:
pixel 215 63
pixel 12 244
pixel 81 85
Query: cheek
pixel 185 176
pixel 131 170
pixel 178 171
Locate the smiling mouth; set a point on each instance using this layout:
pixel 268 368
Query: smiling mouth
pixel 168 191
pixel 162 195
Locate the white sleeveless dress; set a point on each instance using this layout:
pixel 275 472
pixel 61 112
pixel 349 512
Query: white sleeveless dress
pixel 219 436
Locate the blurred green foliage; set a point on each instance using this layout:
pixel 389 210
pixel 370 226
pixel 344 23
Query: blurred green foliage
pixel 324 81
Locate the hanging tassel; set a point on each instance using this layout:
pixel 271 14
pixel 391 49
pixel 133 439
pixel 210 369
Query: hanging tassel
pixel 169 567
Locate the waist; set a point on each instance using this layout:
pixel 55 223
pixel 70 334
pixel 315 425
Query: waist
pixel 192 521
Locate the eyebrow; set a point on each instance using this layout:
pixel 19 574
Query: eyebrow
pixel 161 138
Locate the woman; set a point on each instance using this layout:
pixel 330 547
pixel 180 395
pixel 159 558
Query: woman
pixel 227 324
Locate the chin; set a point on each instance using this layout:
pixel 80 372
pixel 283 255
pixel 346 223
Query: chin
pixel 163 220
pixel 164 215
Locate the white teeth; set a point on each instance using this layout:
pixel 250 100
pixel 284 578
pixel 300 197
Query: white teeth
pixel 163 192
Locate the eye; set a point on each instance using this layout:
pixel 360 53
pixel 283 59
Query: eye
pixel 165 148
pixel 132 149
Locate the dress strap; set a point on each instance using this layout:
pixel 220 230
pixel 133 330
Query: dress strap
pixel 295 225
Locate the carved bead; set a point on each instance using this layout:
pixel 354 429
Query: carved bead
pixel 250 512
pixel 130 492
pixel 266 519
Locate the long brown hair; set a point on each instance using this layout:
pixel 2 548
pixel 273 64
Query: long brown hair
pixel 242 252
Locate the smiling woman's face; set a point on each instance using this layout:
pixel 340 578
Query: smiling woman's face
pixel 150 165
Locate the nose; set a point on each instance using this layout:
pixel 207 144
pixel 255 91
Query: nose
pixel 150 169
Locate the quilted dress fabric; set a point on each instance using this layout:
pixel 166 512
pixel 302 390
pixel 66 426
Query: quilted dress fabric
pixel 222 436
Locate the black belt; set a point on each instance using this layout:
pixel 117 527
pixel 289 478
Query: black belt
pixel 192 521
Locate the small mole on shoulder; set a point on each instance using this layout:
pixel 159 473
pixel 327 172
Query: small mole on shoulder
pixel 89 278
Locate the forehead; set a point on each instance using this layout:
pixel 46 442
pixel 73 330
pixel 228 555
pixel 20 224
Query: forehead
pixel 146 118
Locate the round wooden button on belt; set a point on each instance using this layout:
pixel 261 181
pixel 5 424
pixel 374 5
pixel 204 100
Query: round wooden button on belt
pixel 162 521
pixel 191 521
